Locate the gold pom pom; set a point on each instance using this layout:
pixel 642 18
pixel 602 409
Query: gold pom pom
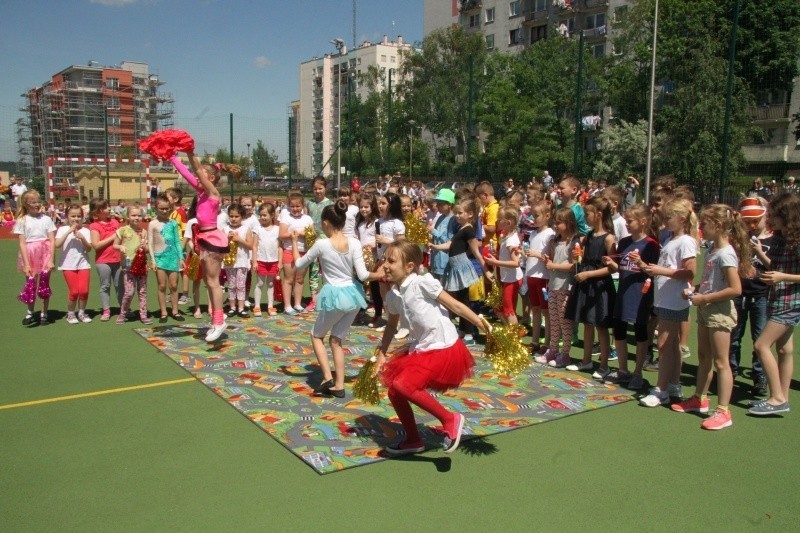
pixel 193 268
pixel 365 387
pixel 230 258
pixel 369 258
pixel 416 231
pixel 495 297
pixel 505 350
pixel 310 236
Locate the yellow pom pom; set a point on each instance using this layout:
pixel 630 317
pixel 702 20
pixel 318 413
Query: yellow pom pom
pixel 369 258
pixel 505 350
pixel 365 387
pixel 193 268
pixel 495 297
pixel 230 257
pixel 311 236
pixel 416 231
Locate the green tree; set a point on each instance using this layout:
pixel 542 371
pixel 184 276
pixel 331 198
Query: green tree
pixel 624 150
pixel 434 86
pixel 264 161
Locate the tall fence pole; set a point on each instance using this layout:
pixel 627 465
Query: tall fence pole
pixel 469 122
pixel 726 125
pixel 291 150
pixel 648 172
pixel 389 125
pixel 578 93
pixel 230 178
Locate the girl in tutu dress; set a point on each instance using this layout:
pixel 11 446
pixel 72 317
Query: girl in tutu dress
pixel 459 274
pixel 340 298
pixel 37 234
pixel 438 359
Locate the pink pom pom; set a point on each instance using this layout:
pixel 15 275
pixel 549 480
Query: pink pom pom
pixel 164 144
pixel 28 293
pixel 44 292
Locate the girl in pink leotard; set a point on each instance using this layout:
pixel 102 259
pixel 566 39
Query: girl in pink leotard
pixel 211 241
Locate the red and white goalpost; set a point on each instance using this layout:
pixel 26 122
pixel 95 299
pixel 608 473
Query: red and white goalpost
pixel 103 160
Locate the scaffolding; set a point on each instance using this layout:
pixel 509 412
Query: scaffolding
pixel 91 112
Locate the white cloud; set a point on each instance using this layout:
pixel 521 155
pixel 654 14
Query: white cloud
pixel 113 2
pixel 262 61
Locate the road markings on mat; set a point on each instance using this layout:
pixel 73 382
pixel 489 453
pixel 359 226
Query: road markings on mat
pixel 96 393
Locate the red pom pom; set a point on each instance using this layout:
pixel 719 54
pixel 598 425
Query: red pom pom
pixel 164 144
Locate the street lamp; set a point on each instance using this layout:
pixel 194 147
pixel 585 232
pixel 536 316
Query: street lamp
pixel 411 124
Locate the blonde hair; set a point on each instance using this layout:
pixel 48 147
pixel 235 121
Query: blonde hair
pixel 730 223
pixel 470 206
pixel 683 208
pixel 22 207
pixel 408 251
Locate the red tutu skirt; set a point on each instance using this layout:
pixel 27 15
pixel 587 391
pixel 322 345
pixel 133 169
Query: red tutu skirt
pixel 439 370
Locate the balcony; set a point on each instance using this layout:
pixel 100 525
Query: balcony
pixel 600 31
pixel 770 112
pixel 534 18
pixel 466 6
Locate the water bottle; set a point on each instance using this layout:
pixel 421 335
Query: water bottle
pixel 646 286
pixel 545 294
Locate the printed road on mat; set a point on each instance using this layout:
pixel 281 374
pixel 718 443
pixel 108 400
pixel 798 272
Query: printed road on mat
pixel 266 369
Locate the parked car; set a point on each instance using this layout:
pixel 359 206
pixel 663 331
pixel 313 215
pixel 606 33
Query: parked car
pixel 434 186
pixel 457 185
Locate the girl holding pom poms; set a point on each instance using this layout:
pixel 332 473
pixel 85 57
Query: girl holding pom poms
pixel 131 242
pixel 340 299
pixel 36 232
pixel 438 359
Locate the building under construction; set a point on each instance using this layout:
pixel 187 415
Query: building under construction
pixel 91 111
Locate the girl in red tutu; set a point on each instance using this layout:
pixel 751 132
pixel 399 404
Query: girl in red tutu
pixel 437 359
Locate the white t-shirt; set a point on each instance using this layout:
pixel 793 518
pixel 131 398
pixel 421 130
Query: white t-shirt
pixel 349 228
pixel 509 274
pixel 188 231
pixel 713 279
pixel 336 267
pixel 267 243
pixel 296 224
pixel 428 321
pixel 620 227
pixel 243 257
pixel 669 291
pixel 391 229
pixel 34 228
pixel 366 233
pixel 73 255
pixel 534 267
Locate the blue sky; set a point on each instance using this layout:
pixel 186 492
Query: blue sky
pixel 215 56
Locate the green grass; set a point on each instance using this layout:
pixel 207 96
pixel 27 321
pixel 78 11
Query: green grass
pixel 178 458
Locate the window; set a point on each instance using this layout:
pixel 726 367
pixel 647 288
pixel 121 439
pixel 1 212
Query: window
pixel 383 58
pixel 620 13
pixel 514 9
pixel 113 102
pixel 515 37
pixel 599 50
pixel 112 83
pixel 490 42
pixel 114 139
pixel 474 21
pixel 595 21
pixel 538 33
pixel 571 24
pixel 489 15
pixel 113 121
pixel 391 59
pixel 540 5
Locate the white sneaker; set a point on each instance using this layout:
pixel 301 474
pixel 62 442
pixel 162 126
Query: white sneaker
pixel 601 373
pixel 402 333
pixel 685 352
pixel 72 319
pixel 215 332
pixel 655 398
pixel 83 317
pixel 580 367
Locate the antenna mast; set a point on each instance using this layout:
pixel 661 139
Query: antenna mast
pixel 354 24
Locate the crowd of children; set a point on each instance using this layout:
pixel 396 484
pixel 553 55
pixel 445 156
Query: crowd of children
pixel 581 257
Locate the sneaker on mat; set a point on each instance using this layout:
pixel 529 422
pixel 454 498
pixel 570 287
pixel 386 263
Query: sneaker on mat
pixel 469 340
pixel 404 448
pixel 402 333
pixel 692 405
pixel 601 373
pixel 272 311
pixel 560 361
pixel 580 367
pixel 311 307
pixel 655 398
pixel 721 419
pixel 546 357
pixel 618 377
pixel 256 311
pixel 215 332
pixel 299 308
pixel 612 356
pixel 766 409
pixel 457 427
pixel 636 382
pixel 290 311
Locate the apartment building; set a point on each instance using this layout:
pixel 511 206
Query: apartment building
pixel 85 108
pixel 325 83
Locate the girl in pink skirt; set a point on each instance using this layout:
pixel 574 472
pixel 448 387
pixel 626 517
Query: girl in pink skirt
pixel 37 235
pixel 437 359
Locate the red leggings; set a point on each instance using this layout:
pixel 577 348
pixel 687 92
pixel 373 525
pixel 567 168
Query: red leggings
pixel 77 283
